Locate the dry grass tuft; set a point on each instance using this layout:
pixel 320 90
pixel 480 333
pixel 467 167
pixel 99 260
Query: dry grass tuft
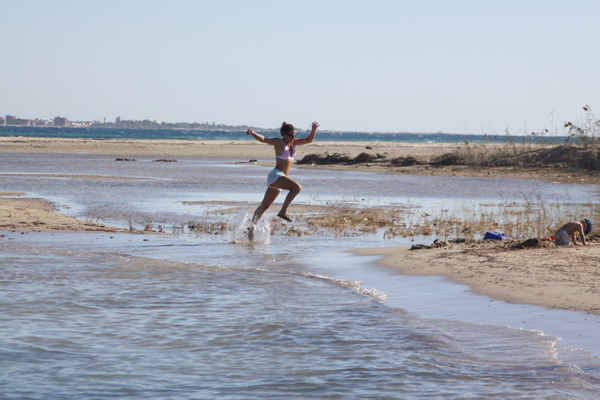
pixel 349 221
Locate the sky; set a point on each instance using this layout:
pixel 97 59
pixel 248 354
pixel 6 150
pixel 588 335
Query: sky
pixel 453 66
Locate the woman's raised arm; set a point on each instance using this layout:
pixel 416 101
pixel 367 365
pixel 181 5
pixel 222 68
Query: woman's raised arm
pixel 310 137
pixel 260 137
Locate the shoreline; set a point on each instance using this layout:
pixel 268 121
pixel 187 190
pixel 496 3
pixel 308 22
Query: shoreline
pixel 548 276
pixel 24 214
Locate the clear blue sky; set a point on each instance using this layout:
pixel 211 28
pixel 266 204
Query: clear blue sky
pixel 463 66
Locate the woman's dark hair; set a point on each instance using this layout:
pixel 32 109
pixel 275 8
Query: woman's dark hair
pixel 286 129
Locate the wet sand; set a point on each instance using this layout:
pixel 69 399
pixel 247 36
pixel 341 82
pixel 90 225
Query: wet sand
pixel 39 215
pixel 566 278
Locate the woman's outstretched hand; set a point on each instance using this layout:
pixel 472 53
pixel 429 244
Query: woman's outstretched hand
pixel 315 125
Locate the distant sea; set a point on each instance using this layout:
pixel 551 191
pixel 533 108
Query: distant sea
pixel 180 134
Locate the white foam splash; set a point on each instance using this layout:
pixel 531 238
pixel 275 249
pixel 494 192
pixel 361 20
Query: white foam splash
pixel 239 227
pixel 376 294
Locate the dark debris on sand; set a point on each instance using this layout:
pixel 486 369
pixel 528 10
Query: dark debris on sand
pixel 437 243
pixel 472 244
pixel 338 158
pixel 563 156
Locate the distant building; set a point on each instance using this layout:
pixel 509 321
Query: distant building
pixel 1 121
pixel 80 124
pixel 39 122
pixel 12 120
pixel 61 121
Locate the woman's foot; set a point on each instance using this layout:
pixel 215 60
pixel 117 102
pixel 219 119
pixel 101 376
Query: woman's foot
pixel 285 216
pixel 250 233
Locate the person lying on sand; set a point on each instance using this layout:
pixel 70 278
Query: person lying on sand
pixel 278 178
pixel 568 230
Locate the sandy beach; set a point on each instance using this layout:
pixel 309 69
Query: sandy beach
pixel 565 278
pixel 39 215
pixel 556 277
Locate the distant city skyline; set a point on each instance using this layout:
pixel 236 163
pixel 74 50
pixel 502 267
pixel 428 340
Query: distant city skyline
pixel 13 120
pixel 463 66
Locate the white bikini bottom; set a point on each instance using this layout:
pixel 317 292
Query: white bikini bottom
pixel 273 176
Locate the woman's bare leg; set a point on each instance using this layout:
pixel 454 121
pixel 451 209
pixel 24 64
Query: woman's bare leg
pixel 270 196
pixel 294 188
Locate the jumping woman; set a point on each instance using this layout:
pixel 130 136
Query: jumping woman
pixel 278 178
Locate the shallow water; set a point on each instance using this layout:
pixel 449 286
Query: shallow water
pixel 97 324
pixel 136 191
pixel 187 316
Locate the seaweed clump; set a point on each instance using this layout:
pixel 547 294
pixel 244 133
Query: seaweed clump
pixel 338 158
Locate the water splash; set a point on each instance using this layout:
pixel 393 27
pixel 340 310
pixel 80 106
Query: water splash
pixel 240 229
